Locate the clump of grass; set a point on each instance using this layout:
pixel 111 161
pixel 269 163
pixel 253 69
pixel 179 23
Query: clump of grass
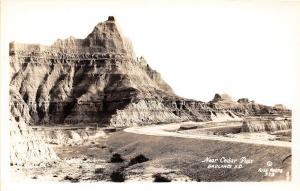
pixel 98 170
pixel 117 176
pixel 138 159
pixel 116 158
pixel 160 178
pixel 71 179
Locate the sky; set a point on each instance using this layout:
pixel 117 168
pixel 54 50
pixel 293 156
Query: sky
pixel 242 48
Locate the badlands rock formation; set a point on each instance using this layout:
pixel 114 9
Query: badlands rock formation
pixel 27 147
pixel 262 125
pixel 99 80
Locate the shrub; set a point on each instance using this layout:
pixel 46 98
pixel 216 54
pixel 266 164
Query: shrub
pixel 71 179
pixel 98 170
pixel 160 178
pixel 138 159
pixel 117 176
pixel 116 158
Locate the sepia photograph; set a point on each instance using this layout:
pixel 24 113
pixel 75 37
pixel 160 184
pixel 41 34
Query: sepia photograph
pixel 148 91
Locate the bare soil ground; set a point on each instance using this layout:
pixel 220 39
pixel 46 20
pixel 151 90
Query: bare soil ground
pixel 222 132
pixel 124 156
pixel 186 155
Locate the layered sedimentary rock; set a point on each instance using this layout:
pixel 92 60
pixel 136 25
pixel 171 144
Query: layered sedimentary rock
pixel 245 107
pixel 64 136
pixel 262 125
pixel 99 80
pixel 81 80
pixel 28 147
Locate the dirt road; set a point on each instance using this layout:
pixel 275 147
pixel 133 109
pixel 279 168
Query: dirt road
pixel 170 130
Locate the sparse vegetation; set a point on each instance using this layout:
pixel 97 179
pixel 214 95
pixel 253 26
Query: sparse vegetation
pixel 160 178
pixel 116 158
pixel 98 170
pixel 71 179
pixel 186 155
pixel 117 176
pixel 138 159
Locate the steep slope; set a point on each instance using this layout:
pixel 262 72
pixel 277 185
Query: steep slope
pixel 27 147
pixel 99 80
pixel 81 80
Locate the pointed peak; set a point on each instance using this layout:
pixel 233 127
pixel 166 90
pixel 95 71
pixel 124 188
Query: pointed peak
pixel 111 18
pixel 108 35
pixel 108 26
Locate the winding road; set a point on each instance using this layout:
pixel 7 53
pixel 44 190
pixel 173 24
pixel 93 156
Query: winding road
pixel 170 130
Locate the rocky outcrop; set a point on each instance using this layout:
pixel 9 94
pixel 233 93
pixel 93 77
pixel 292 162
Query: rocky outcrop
pixel 280 107
pixel 262 125
pixel 73 136
pixel 243 101
pixel 243 107
pixel 144 112
pixel 225 98
pixel 27 147
pixel 98 79
pixel 80 80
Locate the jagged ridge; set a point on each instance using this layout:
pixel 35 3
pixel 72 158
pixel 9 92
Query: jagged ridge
pixel 99 80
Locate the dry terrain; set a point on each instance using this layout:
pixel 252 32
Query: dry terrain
pixel 123 156
pixel 71 104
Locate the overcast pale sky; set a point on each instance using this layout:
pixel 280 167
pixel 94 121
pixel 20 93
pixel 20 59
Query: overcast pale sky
pixel 245 49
